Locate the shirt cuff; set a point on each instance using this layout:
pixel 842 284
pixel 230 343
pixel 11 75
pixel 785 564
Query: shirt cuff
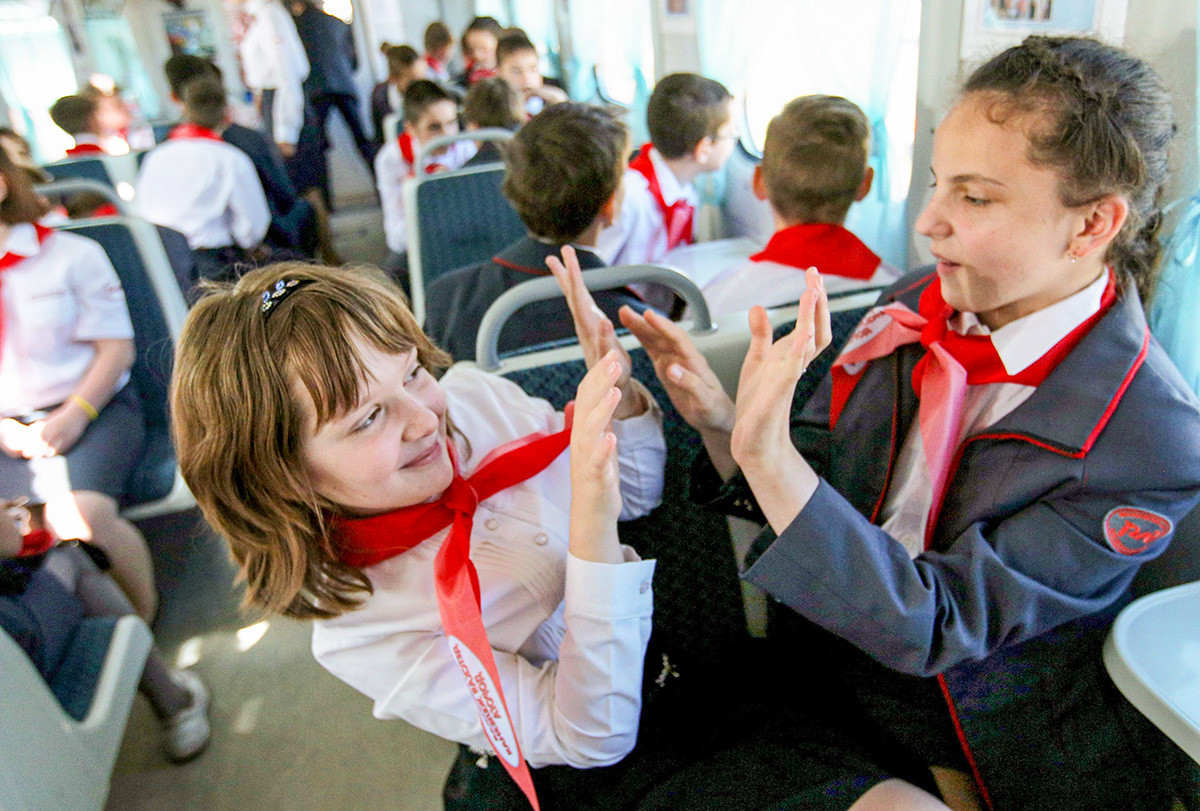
pixel 610 590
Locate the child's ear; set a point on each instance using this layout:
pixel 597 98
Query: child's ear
pixel 1102 221
pixel 612 206
pixel 864 188
pixel 3 188
pixel 757 184
pixel 702 149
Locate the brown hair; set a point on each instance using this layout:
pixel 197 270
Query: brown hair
pixel 204 101
pixel 489 24
pixel 239 421
pixel 684 109
pixel 814 158
pixel 1105 125
pixel 422 94
pixel 21 204
pixel 73 114
pixel 400 58
pixel 513 40
pixel 563 166
pixel 437 35
pixel 493 103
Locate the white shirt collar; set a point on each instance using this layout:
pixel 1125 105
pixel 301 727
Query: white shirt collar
pixel 22 240
pixel 670 186
pixel 1021 342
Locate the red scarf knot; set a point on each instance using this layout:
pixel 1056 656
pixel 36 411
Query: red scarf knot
pixel 677 217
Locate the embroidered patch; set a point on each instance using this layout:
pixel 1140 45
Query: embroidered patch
pixel 1130 530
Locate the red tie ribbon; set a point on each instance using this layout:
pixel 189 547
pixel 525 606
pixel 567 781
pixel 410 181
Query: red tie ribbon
pixel 82 150
pixel 828 247
pixel 366 541
pixel 677 217
pixel 951 362
pixel 409 153
pixel 189 130
pixel 11 259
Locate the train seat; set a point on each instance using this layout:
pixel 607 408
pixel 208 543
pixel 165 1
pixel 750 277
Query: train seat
pixel 691 545
pixel 114 171
pixel 455 218
pixel 157 309
pixel 61 739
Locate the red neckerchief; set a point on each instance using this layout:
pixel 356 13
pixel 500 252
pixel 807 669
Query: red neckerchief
pixel 189 130
pixel 83 150
pixel 366 541
pixel 677 217
pixel 952 361
pixel 409 153
pixel 11 259
pixel 475 75
pixel 435 64
pixel 829 247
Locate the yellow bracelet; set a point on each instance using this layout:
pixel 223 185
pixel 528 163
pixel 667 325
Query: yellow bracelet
pixel 87 407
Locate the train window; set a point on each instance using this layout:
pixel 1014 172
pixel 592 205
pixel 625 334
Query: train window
pixel 35 70
pixel 115 54
pixel 616 37
pixel 771 51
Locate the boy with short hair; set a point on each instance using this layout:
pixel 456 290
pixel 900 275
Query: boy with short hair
pixel 492 104
pixel 203 187
pixel 438 44
pixel 692 132
pixel 564 174
pixel 429 112
pixel 519 64
pixel 814 167
pixel 94 120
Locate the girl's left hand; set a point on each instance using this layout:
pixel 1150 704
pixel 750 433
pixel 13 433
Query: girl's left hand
pixel 62 428
pixel 762 427
pixel 595 331
pixel 595 480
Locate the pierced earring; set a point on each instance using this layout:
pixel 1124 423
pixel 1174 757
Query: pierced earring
pixel 1073 257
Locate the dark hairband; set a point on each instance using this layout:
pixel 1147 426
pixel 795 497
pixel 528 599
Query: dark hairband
pixel 281 290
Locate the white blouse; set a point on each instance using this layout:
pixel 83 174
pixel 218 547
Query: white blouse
pixel 569 636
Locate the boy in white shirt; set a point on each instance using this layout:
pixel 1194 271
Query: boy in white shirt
pixel 206 189
pixel 518 63
pixel 692 132
pixel 814 167
pixel 429 112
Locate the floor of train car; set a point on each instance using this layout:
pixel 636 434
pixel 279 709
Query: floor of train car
pixel 285 734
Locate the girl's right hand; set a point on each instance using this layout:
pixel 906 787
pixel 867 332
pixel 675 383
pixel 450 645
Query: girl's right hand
pixel 595 480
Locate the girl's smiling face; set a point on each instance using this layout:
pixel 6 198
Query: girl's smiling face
pixel 390 449
pixel 997 226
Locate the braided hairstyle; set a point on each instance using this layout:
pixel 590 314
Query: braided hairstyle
pixel 1107 128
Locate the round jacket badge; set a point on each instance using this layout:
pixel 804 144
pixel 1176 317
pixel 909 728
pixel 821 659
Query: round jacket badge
pixel 1130 530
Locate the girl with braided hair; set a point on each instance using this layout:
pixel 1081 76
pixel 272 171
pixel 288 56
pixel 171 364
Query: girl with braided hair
pixel 963 506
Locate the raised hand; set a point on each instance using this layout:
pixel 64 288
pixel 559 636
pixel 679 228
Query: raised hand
pixel 770 372
pixel 694 390
pixel 595 480
pixel 593 328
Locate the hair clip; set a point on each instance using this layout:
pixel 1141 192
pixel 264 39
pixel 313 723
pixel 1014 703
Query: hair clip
pixel 279 292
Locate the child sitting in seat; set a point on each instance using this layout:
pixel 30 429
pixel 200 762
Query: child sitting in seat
pixel 434 529
pixel 95 120
pixel 563 176
pixel 430 112
pixel 405 66
pixel 492 104
pixel 814 167
pixel 46 591
pixel 692 132
pixel 204 188
pixel 479 50
pixel 438 45
pixel 519 64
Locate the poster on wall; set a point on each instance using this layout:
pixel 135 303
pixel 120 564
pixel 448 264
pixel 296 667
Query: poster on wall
pixel 992 25
pixel 188 32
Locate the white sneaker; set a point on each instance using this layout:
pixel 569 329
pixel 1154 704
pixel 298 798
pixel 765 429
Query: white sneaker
pixel 186 733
